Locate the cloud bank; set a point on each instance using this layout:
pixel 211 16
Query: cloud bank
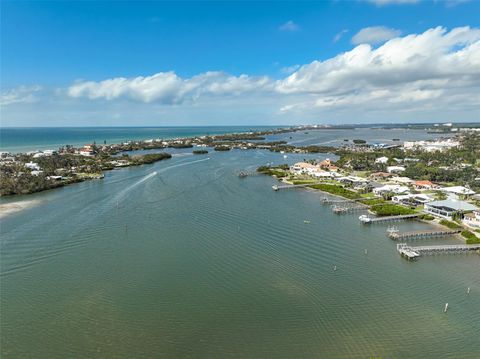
pixel 418 76
pixel 374 35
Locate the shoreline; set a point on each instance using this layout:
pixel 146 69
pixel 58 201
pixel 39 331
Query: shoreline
pixel 104 157
pixel 435 223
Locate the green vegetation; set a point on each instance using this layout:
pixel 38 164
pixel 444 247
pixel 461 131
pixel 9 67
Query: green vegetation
pixel 200 152
pixel 304 181
pixel 426 217
pixel 470 237
pixel 318 149
pixel 359 142
pixel 372 201
pixel 390 209
pixel 150 158
pixel 222 148
pixel 449 224
pixel 272 171
pixel 336 190
pixel 455 166
pixel 440 196
pixel 180 145
pixel 16 179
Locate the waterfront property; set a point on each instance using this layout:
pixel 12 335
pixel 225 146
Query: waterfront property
pixel 458 190
pixel 424 185
pixel 390 188
pixel 472 219
pixel 448 208
pixel 412 199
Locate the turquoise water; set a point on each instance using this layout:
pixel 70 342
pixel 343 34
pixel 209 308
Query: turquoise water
pixel 183 258
pixel 31 139
pixel 40 138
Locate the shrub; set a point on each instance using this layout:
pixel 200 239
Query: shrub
pixel 372 201
pixel 222 148
pixel 390 209
pixel 451 225
pixel 470 237
pixel 336 190
pixel 426 217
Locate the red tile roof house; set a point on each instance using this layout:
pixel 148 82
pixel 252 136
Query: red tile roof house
pixel 419 185
pixel 327 164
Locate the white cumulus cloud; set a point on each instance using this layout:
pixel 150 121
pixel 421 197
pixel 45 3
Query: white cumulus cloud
pixel 21 94
pixel 374 35
pixel 431 75
pixel 289 26
pixel 168 87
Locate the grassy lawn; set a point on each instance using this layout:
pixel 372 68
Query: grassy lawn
pixel 390 209
pixel 449 224
pixel 336 190
pixel 470 237
pixel 304 181
pixel 373 201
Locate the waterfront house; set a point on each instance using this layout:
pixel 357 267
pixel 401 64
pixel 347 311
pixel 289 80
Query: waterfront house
pixel 458 190
pixel 431 146
pixel 425 185
pixel 323 174
pixel 303 168
pixel 380 175
pixel 402 180
pixel 390 188
pixel 448 208
pixel 353 180
pixel 328 165
pixel 409 199
pixel 472 219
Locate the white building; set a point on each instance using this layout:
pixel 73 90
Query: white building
pixel 402 180
pixel 447 208
pixel 395 169
pixel 391 188
pixel 416 199
pixel 303 168
pixel 472 219
pixel 33 166
pixel 431 146
pixel 381 160
pixel 458 190
pixel 353 180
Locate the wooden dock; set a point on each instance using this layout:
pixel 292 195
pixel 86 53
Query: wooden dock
pixel 413 252
pixel 419 234
pixel 341 209
pixel 367 220
pixel 326 200
pixel 292 186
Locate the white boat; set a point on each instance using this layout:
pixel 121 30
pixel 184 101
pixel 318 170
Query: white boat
pixel 364 218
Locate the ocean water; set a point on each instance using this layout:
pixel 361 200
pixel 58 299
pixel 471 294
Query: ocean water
pixel 23 139
pixel 40 138
pixel 183 258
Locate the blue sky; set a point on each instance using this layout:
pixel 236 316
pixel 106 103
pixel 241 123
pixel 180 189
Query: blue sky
pixel 49 48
